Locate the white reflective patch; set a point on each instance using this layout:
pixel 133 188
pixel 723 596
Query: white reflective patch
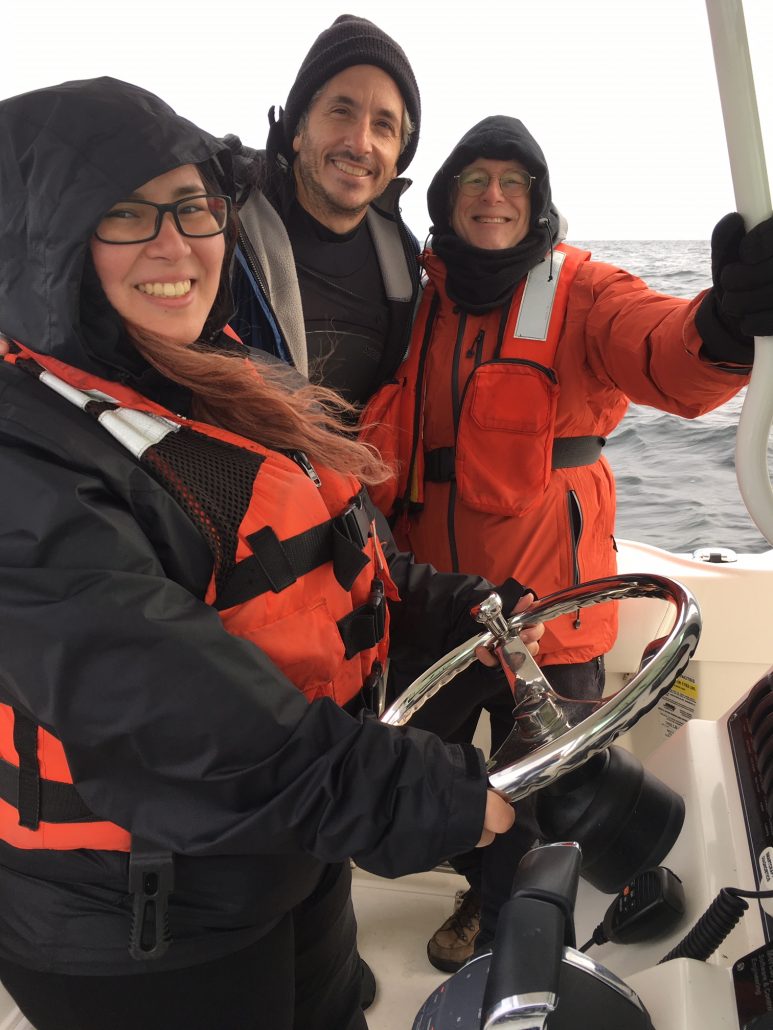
pixel 136 430
pixel 538 299
pixel 71 393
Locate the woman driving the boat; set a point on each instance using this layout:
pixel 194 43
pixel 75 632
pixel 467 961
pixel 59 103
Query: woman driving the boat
pixel 525 355
pixel 192 612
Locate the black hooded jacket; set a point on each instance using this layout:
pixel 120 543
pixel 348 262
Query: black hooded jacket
pixel 185 735
pixel 267 174
pixel 479 280
pixel 499 138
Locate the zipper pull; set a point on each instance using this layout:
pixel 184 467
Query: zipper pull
pixel 475 343
pixel 301 460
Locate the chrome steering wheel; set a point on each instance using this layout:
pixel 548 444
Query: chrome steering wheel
pixel 544 745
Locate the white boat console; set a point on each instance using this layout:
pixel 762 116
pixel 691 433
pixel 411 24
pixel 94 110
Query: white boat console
pixel 722 769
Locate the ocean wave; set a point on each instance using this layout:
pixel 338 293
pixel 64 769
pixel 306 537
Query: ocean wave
pixel 676 485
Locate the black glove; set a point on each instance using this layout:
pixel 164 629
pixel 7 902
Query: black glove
pixel 739 306
pixel 748 282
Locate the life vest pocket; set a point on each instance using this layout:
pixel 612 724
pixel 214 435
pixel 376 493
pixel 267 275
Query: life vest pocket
pixel 504 444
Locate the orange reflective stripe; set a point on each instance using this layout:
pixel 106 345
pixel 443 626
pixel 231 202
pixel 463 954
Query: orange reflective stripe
pixel 100 836
pixel 52 761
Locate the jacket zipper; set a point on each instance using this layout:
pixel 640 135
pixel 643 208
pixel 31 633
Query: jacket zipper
pixel 419 400
pixel 249 256
pixel 547 372
pixel 575 532
pixel 476 348
pixel 303 462
pixel 456 408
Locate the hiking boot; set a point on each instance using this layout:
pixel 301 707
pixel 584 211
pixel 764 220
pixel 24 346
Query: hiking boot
pixel 453 944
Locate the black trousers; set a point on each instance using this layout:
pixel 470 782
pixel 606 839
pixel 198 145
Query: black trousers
pixel 303 975
pixel 453 713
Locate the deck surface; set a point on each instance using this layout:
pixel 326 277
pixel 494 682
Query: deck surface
pixel 396 918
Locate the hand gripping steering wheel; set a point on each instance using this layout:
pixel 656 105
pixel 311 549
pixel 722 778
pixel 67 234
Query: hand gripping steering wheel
pixel 543 745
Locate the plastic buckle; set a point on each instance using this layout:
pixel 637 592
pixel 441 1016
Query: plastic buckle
pixel 376 603
pixel 374 690
pixel 151 881
pixel 355 523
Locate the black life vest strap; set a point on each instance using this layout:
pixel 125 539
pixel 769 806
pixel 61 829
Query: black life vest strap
pixel 573 451
pixel 364 627
pixel 37 800
pixel 440 465
pixel 568 452
pixel 25 740
pixel 276 564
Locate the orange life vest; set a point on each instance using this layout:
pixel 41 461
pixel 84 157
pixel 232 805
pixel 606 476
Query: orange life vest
pixel 508 405
pixel 299 572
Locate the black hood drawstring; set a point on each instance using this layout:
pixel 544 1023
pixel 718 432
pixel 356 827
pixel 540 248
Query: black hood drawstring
pixel 546 223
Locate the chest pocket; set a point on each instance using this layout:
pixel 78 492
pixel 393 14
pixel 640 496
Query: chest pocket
pixel 505 438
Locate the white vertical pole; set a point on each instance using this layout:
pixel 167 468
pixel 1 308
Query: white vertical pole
pixel 752 198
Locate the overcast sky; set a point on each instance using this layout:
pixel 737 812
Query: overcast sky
pixel 621 94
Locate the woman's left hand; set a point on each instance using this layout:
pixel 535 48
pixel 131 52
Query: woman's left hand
pixel 530 634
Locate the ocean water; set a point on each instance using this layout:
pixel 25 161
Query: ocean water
pixel 676 485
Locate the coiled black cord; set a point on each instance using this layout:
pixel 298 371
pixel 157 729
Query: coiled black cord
pixel 715 925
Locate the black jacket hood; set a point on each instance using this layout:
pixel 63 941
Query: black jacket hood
pixel 498 138
pixel 69 152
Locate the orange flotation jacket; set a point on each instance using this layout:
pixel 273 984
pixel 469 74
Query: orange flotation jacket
pixel 469 422
pixel 297 569
pixel 508 406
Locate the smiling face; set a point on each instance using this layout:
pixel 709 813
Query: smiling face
pixel 491 221
pixel 165 286
pixel 348 146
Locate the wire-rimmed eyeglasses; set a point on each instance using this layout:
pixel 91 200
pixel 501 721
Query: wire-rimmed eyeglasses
pixel 139 221
pixel 475 181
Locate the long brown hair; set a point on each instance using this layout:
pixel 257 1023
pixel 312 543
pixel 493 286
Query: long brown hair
pixel 263 401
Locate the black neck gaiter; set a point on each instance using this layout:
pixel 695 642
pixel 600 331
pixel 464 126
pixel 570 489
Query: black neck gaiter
pixel 481 280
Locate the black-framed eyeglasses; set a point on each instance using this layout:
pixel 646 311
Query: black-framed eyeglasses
pixel 138 221
pixel 475 181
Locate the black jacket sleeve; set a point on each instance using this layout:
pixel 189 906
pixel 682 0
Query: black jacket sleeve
pixel 433 614
pixel 173 728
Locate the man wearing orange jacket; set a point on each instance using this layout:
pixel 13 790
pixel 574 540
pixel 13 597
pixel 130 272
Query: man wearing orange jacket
pixel 524 357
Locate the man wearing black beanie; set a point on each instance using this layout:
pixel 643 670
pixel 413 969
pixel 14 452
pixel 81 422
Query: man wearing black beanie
pixel 325 274
pixel 321 236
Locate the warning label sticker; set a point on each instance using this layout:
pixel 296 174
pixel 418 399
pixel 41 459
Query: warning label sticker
pixel 765 860
pixel 766 869
pixel 752 981
pixel 678 705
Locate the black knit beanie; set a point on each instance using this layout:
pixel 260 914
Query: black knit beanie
pixel 350 41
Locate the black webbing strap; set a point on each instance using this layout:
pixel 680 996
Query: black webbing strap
pixel 439 465
pixel 364 627
pixel 37 800
pixel 25 740
pixel 573 451
pixel 568 452
pixel 276 564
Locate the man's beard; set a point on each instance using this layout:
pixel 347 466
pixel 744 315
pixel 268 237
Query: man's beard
pixel 317 193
